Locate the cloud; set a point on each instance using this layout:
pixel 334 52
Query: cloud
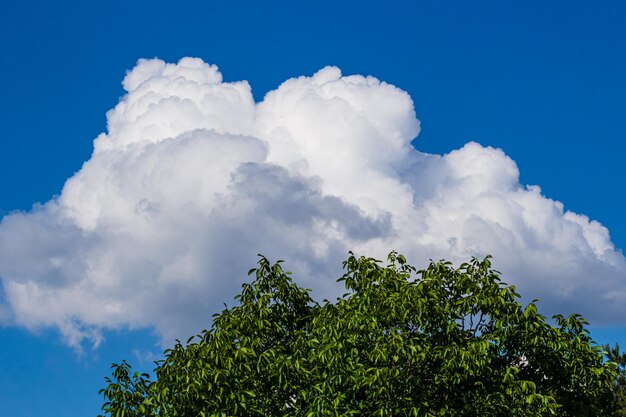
pixel 193 178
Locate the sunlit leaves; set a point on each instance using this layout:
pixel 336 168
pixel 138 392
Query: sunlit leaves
pixel 441 341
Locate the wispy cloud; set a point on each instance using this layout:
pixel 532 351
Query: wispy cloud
pixel 193 179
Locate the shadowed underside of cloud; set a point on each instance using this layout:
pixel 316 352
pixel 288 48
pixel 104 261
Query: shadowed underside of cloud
pixel 193 179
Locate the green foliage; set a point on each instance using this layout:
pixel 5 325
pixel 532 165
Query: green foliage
pixel 442 341
pixel 618 360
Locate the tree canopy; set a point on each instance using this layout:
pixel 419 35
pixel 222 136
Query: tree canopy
pixel 619 384
pixel 441 341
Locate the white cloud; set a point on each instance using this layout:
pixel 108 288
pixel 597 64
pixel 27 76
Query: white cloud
pixel 193 179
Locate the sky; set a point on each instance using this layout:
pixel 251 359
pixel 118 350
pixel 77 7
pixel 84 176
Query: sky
pixel 150 150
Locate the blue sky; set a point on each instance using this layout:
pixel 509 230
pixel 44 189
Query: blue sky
pixel 543 82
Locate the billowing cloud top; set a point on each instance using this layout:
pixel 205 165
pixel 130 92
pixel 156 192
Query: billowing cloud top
pixel 193 179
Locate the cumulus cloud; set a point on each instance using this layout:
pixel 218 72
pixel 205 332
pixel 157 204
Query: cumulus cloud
pixel 193 178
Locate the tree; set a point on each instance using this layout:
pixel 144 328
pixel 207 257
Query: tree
pixel 619 385
pixel 441 341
